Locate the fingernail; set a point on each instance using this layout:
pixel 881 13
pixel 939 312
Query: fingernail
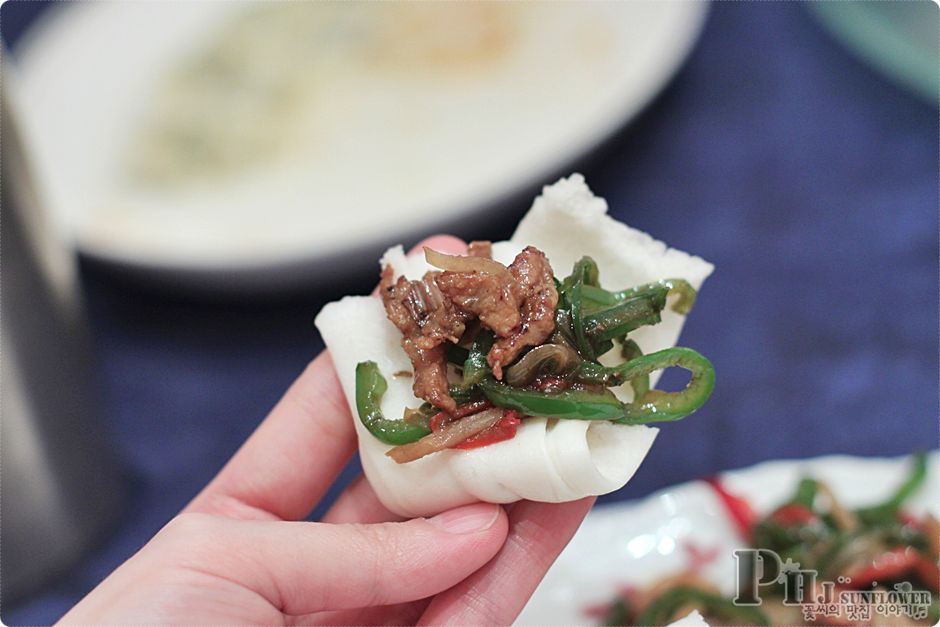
pixel 467 519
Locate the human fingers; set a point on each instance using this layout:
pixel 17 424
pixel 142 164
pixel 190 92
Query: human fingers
pixel 399 614
pixel 302 567
pixel 495 594
pixel 441 243
pixel 288 463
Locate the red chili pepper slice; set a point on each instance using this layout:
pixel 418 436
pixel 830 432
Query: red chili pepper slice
pixel 437 421
pixel 505 429
pixel 596 611
pixel 894 564
pixel 793 514
pixel 740 511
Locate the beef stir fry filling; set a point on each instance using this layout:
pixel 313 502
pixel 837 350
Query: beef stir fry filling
pixel 426 320
pixel 516 303
pixel 512 341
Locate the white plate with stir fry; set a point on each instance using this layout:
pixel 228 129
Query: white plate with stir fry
pixel 684 536
pixel 241 140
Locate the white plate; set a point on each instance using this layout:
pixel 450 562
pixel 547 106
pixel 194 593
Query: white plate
pixel 389 142
pixel 639 542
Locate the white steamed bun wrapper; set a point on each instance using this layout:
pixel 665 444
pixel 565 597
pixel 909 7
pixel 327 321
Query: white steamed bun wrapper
pixel 548 460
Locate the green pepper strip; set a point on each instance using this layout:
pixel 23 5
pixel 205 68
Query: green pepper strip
pixel 657 406
pixel 933 612
pixel 654 405
pixel 585 269
pixel 683 304
pixel 570 404
pixel 631 350
pixel 806 493
pixel 370 386
pixel 456 355
pixel 582 270
pixel 594 373
pixel 476 368
pixel 620 613
pixel 660 611
pixel 580 294
pixel 628 315
pixel 888 510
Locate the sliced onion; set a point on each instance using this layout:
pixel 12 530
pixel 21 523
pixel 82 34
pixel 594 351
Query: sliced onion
pixel 843 518
pixel 452 433
pixel 548 358
pixel 458 263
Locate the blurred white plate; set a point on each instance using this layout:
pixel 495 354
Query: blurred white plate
pixel 639 542
pixel 393 119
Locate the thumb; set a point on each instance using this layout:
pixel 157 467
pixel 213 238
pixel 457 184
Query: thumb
pixel 302 567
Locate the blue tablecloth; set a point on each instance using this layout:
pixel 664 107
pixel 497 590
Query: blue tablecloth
pixel 808 179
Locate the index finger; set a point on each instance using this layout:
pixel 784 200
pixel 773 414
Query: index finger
pixel 495 594
pixel 292 458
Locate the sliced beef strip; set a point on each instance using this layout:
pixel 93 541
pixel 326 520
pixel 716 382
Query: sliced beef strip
pixel 487 297
pixel 520 312
pixel 430 380
pixel 426 319
pixel 421 311
pixel 497 302
pixel 535 285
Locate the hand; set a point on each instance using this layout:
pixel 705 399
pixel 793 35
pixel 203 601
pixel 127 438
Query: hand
pixel 237 555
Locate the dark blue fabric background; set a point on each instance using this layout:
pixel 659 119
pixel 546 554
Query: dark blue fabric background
pixel 809 180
